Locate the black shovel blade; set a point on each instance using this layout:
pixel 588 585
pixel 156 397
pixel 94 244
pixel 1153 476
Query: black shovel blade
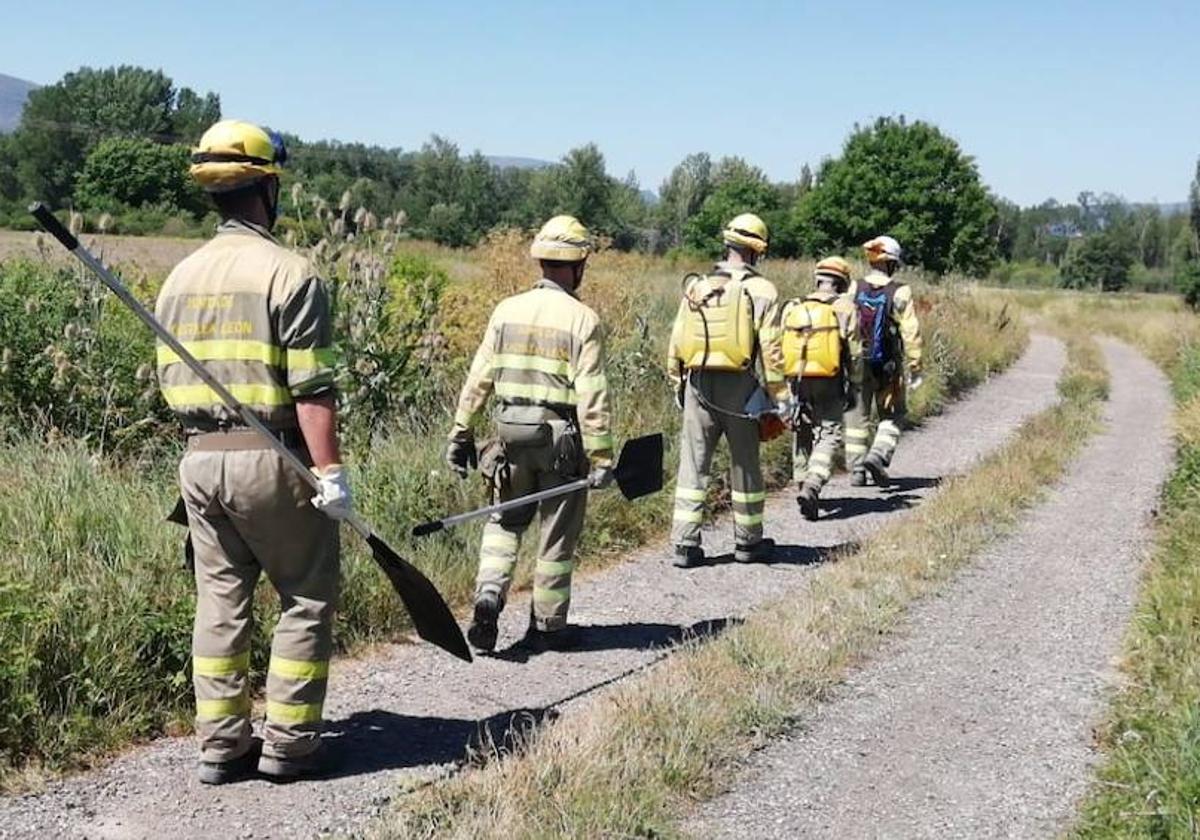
pixel 431 617
pixel 639 470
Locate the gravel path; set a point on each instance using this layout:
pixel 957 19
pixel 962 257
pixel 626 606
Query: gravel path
pixel 978 720
pixel 407 714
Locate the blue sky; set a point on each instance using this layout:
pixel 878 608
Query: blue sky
pixel 1050 97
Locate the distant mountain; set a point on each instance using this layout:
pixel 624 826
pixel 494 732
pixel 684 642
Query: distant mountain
pixel 506 162
pixel 13 93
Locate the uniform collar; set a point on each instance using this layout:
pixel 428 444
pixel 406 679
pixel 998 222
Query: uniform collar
pixel 877 278
pixel 823 295
pixel 241 226
pixel 545 283
pixel 737 272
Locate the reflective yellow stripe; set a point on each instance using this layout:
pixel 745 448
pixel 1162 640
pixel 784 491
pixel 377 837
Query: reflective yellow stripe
pixel 856 448
pixel 184 395
pixel 546 567
pixel 591 384
pixel 857 434
pixel 747 518
pixel 597 443
pixel 320 357
pixel 551 596
pixel 688 516
pixel 224 350
pixel 535 393
pixel 299 669
pixel 518 361
pixel 504 565
pixel 748 498
pixel 294 712
pixel 220 666
pixel 690 494
pixel 501 540
pixel 217 709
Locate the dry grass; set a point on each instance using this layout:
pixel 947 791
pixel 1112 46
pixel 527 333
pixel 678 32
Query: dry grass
pixel 628 764
pixel 153 255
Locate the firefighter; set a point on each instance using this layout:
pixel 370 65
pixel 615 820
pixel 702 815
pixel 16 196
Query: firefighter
pixel 891 362
pixel 821 352
pixel 542 356
pixel 726 328
pixel 258 317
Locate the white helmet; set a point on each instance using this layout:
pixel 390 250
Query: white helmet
pixel 882 249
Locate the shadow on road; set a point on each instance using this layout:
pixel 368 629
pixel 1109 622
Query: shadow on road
pixel 793 555
pixel 898 495
pixel 377 740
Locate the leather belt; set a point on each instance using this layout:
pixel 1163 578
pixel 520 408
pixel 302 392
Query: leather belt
pixel 241 440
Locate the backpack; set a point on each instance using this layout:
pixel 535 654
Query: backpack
pixel 715 325
pixel 876 328
pixel 812 342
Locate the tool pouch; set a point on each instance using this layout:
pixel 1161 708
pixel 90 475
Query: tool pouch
pixel 178 515
pixel 494 466
pixel 570 460
pixel 520 427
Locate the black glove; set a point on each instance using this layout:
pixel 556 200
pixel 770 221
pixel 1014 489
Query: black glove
pixel 461 456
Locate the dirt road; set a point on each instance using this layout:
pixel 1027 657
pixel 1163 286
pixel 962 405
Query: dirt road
pixel 978 720
pixel 407 714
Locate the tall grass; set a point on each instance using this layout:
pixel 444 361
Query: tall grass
pixel 95 607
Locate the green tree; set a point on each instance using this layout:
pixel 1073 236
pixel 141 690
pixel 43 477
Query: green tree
pixel 135 172
pixel 1101 261
pixel 908 180
pixel 63 122
pixel 681 196
pixel 737 187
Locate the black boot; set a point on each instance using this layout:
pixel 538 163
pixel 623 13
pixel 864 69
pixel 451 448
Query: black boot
pixel 858 478
pixel 540 641
pixel 760 552
pixel 875 466
pixel 808 502
pixel 483 630
pixel 234 770
pixel 688 556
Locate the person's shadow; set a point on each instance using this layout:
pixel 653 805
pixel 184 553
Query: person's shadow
pixel 898 495
pixel 793 555
pixel 377 740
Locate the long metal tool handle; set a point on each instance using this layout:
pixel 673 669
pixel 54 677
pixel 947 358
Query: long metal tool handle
pixel 56 229
pixel 533 498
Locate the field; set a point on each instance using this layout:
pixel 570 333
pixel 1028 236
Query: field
pixel 95 605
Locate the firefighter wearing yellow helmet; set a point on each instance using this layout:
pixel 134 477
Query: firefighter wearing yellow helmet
pixel 891 346
pixel 821 350
pixel 724 348
pixel 258 316
pixel 542 358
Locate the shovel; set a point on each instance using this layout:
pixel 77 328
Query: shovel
pixel 639 472
pixel 431 617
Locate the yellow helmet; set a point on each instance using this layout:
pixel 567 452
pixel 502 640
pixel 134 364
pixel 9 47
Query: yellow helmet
pixel 835 269
pixel 747 231
pixel 562 239
pixel 882 249
pixel 232 154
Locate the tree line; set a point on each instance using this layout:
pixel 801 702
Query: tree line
pixel 113 143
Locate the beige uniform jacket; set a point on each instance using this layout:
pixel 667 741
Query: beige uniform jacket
pixel 543 347
pixel 258 317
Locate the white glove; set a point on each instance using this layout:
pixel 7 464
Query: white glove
pixel 601 477
pixel 333 497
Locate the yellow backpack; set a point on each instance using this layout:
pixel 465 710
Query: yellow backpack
pixel 715 326
pixel 812 342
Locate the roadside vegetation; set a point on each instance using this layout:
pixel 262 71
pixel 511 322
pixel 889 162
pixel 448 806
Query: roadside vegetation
pixel 629 764
pixel 1149 783
pixel 95 605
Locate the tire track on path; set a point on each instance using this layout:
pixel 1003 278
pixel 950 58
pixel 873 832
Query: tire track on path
pixel 406 714
pixel 978 720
